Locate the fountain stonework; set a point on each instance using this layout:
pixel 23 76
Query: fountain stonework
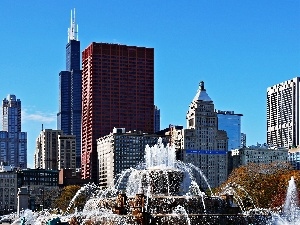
pixel 161 191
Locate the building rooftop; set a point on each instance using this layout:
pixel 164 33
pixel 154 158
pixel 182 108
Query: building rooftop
pixel 229 113
pixel 201 93
pixel 6 168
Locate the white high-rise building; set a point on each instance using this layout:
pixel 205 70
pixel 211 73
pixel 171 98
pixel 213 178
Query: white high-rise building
pixel 283 114
pixel 13 141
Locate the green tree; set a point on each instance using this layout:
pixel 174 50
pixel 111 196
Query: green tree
pixel 66 196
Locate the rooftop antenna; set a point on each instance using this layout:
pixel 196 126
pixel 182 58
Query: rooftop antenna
pixel 73 30
pixel 77 33
pixel 201 85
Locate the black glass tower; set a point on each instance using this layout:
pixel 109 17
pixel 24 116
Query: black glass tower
pixel 69 115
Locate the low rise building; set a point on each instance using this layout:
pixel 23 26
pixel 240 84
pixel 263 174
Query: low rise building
pixel 71 177
pixel 254 154
pixel 233 160
pixel 8 189
pixel 122 150
pixel 41 184
pixel 263 155
pixel 294 157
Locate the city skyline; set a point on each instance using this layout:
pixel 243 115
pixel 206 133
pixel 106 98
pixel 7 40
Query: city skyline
pixel 238 49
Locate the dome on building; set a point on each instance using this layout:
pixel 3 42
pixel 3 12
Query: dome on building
pixel 201 93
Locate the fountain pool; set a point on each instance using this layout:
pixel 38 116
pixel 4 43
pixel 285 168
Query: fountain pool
pixel 159 191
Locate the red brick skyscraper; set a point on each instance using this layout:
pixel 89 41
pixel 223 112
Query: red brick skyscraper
pixel 117 91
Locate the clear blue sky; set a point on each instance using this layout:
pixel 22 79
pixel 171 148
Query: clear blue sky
pixel 238 48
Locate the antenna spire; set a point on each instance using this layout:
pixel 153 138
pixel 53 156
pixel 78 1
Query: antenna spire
pixel 73 30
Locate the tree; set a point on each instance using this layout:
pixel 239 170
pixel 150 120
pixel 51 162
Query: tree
pixel 260 185
pixel 67 195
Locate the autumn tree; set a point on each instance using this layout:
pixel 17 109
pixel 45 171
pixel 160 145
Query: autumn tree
pixel 260 185
pixel 66 196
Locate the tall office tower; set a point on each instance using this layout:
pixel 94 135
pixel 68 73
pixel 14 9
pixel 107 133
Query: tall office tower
pixel 231 123
pixel 13 140
pixel 204 145
pixel 118 91
pixel 156 119
pixel 69 115
pixel 283 114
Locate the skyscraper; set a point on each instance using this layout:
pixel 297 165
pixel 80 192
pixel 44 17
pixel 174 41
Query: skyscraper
pixel 204 145
pixel 118 91
pixel 69 115
pixel 283 114
pixel 231 123
pixel 13 141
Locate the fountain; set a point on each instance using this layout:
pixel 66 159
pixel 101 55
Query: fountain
pixel 161 190
pixel 290 213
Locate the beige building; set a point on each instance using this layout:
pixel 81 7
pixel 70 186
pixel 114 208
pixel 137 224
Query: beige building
pixel 66 151
pixel 203 145
pixel 262 155
pixel 122 150
pixel 8 190
pixel 256 154
pixel 54 150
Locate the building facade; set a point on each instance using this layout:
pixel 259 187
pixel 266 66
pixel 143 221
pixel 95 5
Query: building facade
pixel 70 86
pixel 204 145
pixel 231 123
pixel 122 150
pixel 294 157
pixel 118 91
pixel 42 187
pixel 55 150
pixel 13 141
pixel 262 155
pixel 8 190
pixel 283 114
pixel 156 119
pixel 66 151
pixel 46 153
pixel 243 140
pixel 70 177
